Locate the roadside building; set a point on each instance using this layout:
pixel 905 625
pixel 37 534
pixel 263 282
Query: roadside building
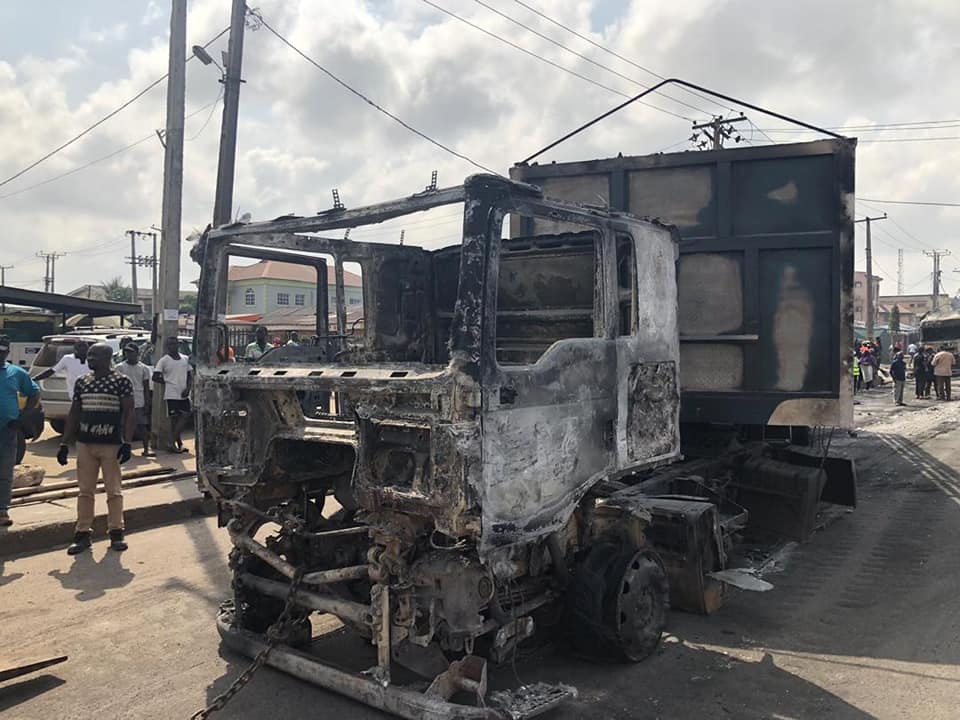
pixel 268 286
pixel 860 297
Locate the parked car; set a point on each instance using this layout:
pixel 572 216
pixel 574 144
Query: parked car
pixel 53 390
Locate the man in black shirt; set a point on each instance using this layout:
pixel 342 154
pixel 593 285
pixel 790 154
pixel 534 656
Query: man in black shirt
pixel 102 421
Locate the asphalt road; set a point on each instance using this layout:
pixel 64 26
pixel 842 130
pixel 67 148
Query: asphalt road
pixel 862 622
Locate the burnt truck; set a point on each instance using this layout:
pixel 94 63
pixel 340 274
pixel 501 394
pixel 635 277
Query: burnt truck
pixel 559 425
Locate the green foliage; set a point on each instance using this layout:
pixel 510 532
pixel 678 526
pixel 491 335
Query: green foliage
pixel 188 304
pixel 116 291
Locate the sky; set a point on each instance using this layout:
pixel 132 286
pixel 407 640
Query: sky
pixel 63 66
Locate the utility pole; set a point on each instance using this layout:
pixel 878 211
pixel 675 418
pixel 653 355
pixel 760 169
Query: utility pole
pixel 172 197
pixel 143 261
pixel 871 301
pixel 133 263
pixel 719 129
pixel 153 265
pixel 49 276
pixel 223 202
pixel 900 271
pixel 3 281
pixel 936 255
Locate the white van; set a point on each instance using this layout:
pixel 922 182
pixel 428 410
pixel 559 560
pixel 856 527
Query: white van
pixel 53 390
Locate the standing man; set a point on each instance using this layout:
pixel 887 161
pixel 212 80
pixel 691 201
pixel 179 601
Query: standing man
pixel 857 383
pixel 868 368
pixel 139 376
pixel 920 371
pixel 943 363
pixel 258 347
pixel 73 366
pixel 173 371
pixel 293 338
pixel 898 371
pixel 14 381
pixel 101 420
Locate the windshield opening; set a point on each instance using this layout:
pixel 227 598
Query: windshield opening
pixel 381 293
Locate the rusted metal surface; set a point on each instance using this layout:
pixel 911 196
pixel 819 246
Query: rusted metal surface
pixel 765 274
pixel 506 407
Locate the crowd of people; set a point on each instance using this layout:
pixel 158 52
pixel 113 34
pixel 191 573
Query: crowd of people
pixel 110 403
pixel 932 369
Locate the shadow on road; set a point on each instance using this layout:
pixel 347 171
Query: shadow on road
pixel 13 694
pixel 4 578
pixel 93 578
pixel 679 681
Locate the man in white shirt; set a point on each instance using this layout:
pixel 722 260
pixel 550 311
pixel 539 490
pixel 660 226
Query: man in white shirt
pixel 72 366
pixel 174 373
pixel 139 376
pixel 943 363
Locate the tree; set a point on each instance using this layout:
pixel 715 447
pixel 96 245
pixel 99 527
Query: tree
pixel 188 304
pixel 116 291
pixel 894 320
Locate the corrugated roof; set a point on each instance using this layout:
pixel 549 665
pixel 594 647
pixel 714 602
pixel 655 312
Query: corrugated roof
pixel 275 270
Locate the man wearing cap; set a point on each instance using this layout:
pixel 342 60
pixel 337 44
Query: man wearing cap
pixel 102 421
pixel 14 381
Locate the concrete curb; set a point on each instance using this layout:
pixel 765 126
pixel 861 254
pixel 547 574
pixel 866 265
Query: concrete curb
pixel 28 540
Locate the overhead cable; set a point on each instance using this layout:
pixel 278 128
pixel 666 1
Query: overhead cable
pixel 102 120
pixel 584 57
pixel 616 54
pixel 558 66
pixel 367 100
pixel 911 202
pixel 119 151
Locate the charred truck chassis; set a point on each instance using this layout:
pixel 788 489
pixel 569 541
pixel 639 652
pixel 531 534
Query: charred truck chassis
pixel 502 439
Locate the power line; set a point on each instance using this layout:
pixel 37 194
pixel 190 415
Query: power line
pixel 102 120
pixel 770 139
pixel 910 202
pixel 900 227
pixel 213 108
pixel 584 57
pixel 913 139
pixel 119 151
pixel 880 127
pixel 616 54
pixel 938 138
pixel 548 62
pixel 367 100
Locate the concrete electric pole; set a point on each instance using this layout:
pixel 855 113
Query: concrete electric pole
pixel 936 255
pixel 50 274
pixel 3 281
pixel 719 129
pixel 900 271
pixel 871 300
pixel 133 263
pixel 169 291
pixel 223 202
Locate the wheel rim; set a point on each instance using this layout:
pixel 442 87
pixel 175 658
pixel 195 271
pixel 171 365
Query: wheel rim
pixel 641 607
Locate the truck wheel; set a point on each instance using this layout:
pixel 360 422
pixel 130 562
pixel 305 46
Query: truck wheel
pixel 58 425
pixel 619 601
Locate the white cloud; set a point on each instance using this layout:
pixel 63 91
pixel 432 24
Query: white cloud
pixel 301 134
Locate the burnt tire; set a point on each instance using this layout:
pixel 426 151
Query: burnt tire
pixel 618 604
